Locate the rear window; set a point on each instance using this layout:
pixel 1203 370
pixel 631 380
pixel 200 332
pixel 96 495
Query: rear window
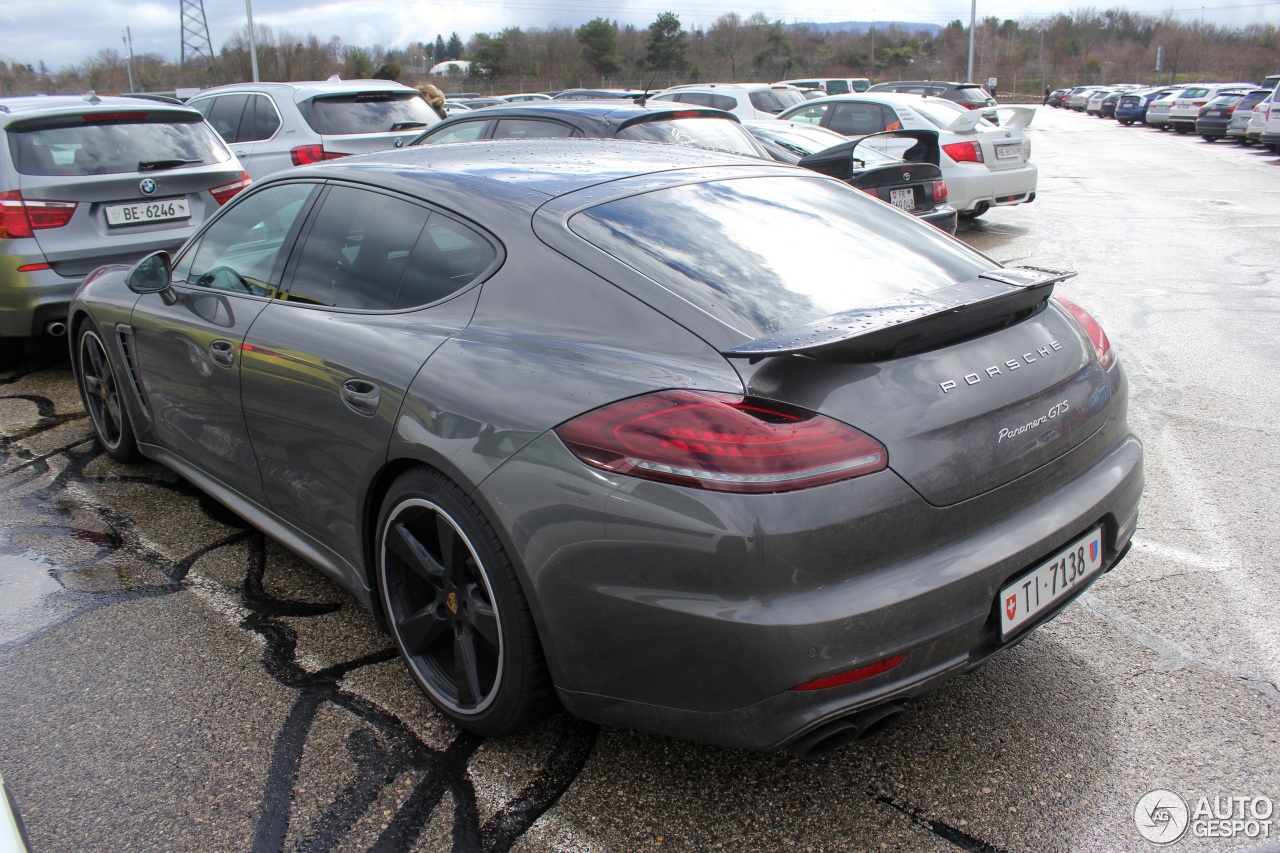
pixel 1193 93
pixel 1225 100
pixel 718 134
pixel 368 112
pixel 108 144
pixel 973 94
pixel 942 114
pixel 775 100
pixel 762 254
pixel 1252 99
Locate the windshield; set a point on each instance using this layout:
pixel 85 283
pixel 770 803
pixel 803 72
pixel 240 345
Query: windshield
pixel 368 112
pixel 110 144
pixel 718 134
pixel 765 253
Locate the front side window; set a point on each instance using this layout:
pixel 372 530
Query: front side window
pixel 858 119
pixel 812 114
pixel 523 128
pixel 239 252
pixel 466 131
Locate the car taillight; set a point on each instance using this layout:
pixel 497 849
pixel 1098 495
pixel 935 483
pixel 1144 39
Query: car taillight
pixel 1097 337
pixel 304 154
pixel 721 442
pixel 970 106
pixel 20 217
pixel 939 190
pixel 226 192
pixel 852 675
pixel 963 152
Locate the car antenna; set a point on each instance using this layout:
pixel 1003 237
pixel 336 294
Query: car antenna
pixel 640 101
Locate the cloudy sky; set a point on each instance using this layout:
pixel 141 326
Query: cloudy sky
pixel 65 32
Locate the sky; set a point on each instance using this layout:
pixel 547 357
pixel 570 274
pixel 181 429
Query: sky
pixel 66 32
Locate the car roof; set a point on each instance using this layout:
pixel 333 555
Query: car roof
pixel 520 173
pixel 742 87
pixel 23 107
pixel 311 88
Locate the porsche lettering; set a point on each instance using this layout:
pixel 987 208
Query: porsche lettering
pixel 1003 368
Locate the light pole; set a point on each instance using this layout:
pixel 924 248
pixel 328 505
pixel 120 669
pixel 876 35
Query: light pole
pixel 253 45
pixel 973 20
pixel 127 38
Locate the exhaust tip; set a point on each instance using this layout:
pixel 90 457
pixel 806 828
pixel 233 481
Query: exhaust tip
pixel 859 727
pixel 55 328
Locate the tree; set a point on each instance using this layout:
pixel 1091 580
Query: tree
pixel 778 55
pixel 599 40
pixel 438 52
pixel 491 55
pixel 356 63
pixel 387 71
pixel 664 49
pixel 454 49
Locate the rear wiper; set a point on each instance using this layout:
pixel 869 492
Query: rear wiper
pixel 152 165
pixel 405 125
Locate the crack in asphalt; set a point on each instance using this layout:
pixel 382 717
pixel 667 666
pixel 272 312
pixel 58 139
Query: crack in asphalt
pixel 943 830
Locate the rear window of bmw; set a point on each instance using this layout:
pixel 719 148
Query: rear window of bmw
pixel 367 112
pixel 112 143
pixel 733 248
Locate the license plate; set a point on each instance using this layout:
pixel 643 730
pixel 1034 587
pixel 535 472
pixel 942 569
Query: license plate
pixel 905 199
pixel 1007 152
pixel 148 211
pixel 1050 582
pixel 1212 113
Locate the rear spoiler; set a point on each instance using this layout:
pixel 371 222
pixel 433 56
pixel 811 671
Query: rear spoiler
pixel 1018 118
pixel 837 161
pixel 918 322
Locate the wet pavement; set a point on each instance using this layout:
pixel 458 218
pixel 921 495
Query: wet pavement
pixel 173 679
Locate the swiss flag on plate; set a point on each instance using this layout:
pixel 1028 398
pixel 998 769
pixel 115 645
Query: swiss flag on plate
pixel 1011 606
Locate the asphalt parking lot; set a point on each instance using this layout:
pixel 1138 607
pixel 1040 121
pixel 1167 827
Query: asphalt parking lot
pixel 175 680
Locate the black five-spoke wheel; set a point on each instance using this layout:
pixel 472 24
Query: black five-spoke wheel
pixel 103 397
pixel 454 607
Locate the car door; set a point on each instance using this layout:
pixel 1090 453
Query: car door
pixel 371 294
pixel 189 339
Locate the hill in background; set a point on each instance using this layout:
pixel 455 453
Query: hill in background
pixel 864 26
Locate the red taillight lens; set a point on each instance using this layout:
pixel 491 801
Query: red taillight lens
pixel 1097 337
pixel 721 442
pixel 962 152
pixel 226 192
pixel 940 191
pixel 852 675
pixel 34 267
pixel 304 154
pixel 21 218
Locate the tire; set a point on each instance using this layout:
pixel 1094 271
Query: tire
pixel 1181 129
pixel 103 396
pixel 1127 122
pixel 454 607
pixel 1207 138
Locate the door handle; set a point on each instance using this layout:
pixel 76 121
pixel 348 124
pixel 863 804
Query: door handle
pixel 361 396
pixel 223 352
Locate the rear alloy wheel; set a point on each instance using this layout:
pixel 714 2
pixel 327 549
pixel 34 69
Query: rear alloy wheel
pixel 455 607
pixel 103 396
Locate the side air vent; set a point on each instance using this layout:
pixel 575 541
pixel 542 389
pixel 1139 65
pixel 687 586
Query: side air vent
pixel 125 334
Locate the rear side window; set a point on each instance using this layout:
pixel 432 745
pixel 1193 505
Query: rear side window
pixel 260 119
pixel 367 112
pixel 114 143
pixel 859 119
pixel 223 112
pixel 718 134
pixel 775 100
pixel 837 87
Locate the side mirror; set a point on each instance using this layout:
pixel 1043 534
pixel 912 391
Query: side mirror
pixel 152 274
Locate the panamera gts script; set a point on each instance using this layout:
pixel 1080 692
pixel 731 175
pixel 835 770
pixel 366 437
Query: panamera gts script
pixel 1021 429
pixel 1007 366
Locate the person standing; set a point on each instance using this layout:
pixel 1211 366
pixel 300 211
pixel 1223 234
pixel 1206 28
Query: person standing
pixel 1047 90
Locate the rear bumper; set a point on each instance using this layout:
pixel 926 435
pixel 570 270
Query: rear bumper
pixel 943 216
pixel 29 300
pixel 973 184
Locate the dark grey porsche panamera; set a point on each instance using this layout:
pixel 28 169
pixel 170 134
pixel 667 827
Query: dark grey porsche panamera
pixel 692 443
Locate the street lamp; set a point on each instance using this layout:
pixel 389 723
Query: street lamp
pixel 253 45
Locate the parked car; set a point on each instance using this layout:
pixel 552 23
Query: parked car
pixel 528 96
pixel 983 164
pixel 1238 126
pixel 971 96
pixel 451 107
pixel 745 100
pixel 88 181
pixel 1107 107
pixel 1132 106
pixel 1158 110
pixel 599 94
pixel 1079 97
pixel 1185 108
pixel 912 183
pixel 1056 96
pixel 1258 121
pixel 1093 106
pixel 481 103
pixel 1271 124
pixel 1212 121
pixel 830 85
pixel 635 427
pixel 273 126
pixel 701 127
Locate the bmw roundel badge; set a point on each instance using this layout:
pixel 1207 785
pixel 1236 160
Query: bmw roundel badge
pixel 147 186
pixel 399 142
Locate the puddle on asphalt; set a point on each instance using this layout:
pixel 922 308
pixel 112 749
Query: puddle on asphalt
pixel 26 588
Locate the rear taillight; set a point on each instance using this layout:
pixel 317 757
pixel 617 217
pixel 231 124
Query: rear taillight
pixel 970 106
pixel 963 152
pixel 304 154
pixel 1097 337
pixel 939 190
pixel 21 218
pixel 226 192
pixel 721 442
